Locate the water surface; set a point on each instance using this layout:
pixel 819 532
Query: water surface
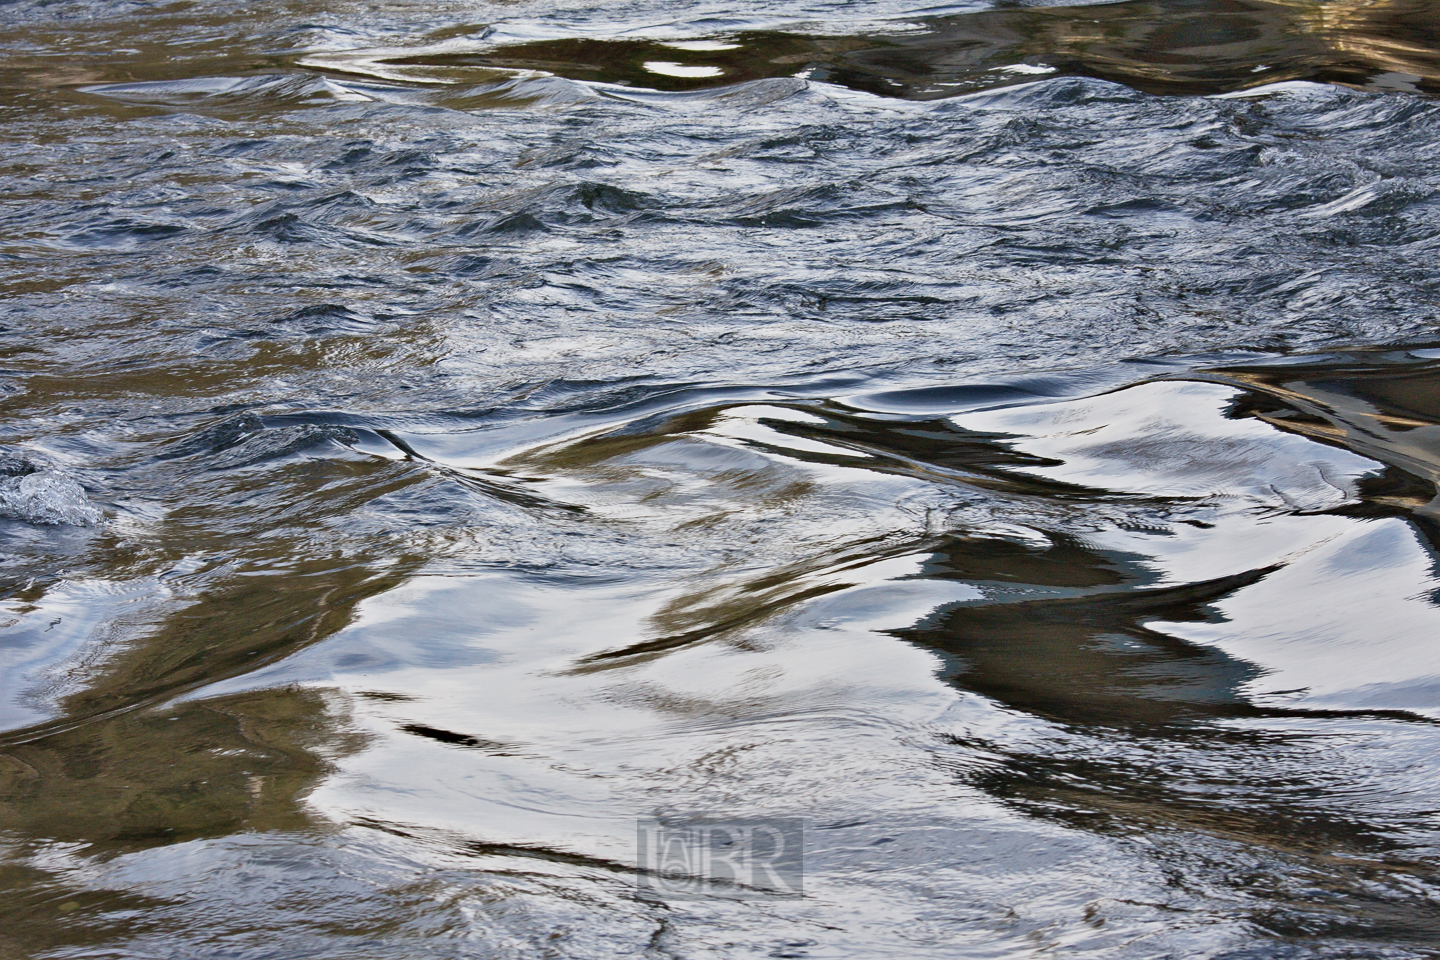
pixel 437 436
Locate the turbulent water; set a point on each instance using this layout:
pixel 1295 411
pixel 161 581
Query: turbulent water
pixel 437 436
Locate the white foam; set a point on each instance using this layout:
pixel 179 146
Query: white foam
pixel 49 498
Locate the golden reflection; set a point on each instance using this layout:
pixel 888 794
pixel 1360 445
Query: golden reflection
pixel 1162 46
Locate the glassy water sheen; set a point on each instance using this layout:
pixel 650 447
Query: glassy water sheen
pixel 437 435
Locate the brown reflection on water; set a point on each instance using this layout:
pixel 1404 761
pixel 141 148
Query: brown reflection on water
pixel 1155 738
pixel 1379 404
pixel 233 630
pixel 117 770
pixel 202 768
pixel 1161 46
pixel 248 565
pixel 120 771
pixel 43 913
pixel 124 782
pixel 177 41
pixel 725 610
pixel 1092 659
pixel 1302 844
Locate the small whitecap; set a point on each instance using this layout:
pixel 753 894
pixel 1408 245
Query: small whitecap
pixel 667 69
pixel 48 498
pixel 701 45
pixel 1035 69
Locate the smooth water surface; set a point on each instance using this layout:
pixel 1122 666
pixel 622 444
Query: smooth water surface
pixel 436 436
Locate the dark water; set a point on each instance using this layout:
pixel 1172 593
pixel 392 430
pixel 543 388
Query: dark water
pixel 436 436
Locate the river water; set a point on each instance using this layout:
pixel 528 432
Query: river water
pixel 437 436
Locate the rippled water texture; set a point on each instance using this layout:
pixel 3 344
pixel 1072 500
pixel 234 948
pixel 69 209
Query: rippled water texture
pixel 436 436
